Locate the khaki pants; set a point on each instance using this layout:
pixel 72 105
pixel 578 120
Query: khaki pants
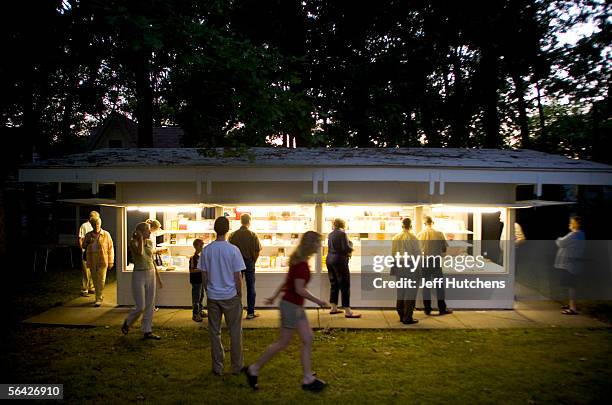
pixel 86 281
pixel 98 274
pixel 232 310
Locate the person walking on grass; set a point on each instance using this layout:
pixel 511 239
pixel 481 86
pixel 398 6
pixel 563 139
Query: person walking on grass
pixel 100 254
pixel 248 243
pixel 221 265
pixel 195 279
pixel 292 314
pixel 145 277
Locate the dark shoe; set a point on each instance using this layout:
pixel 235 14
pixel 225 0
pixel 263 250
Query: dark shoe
pixel 315 386
pixel 427 311
pixel 151 335
pixel 569 312
pixel 92 291
pixel 197 318
pixel 410 321
pixel 251 379
pixel 251 316
pixel 446 312
pixel 125 328
pixel 218 373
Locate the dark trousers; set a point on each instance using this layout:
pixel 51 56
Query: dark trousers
pixel 249 278
pixel 429 273
pixel 406 297
pixel 197 298
pixel 339 280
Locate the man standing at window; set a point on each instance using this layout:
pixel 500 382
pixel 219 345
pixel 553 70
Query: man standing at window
pixel 248 243
pixel 433 244
pixel 221 264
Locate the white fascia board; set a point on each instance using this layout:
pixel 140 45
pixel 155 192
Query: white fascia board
pixel 235 174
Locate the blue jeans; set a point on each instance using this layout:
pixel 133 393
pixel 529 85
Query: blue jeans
pixel 197 297
pixel 249 277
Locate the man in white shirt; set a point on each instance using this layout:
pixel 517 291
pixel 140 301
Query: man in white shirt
pixel 221 264
pixel 87 286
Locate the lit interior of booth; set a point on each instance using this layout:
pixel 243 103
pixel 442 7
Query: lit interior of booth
pixel 469 230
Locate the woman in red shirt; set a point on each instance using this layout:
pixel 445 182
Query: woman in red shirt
pixel 292 313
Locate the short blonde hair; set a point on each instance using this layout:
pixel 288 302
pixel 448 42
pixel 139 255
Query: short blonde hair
pixel 245 219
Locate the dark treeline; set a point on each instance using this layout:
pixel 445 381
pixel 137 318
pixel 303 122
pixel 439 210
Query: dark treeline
pixel 314 73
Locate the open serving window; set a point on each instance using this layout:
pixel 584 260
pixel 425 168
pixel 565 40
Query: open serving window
pixel 278 227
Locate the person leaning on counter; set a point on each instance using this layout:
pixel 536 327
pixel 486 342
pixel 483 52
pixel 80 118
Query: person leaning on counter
pixel 433 243
pixel 248 243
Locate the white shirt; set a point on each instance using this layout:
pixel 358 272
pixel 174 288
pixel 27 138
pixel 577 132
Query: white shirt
pixel 85 227
pixel 220 260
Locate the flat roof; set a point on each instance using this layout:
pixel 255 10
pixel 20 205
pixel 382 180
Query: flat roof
pixel 523 159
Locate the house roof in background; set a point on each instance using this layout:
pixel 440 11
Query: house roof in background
pixel 163 137
pixel 321 157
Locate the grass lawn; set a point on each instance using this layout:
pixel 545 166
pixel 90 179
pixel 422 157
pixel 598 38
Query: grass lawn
pixel 100 365
pixel 456 366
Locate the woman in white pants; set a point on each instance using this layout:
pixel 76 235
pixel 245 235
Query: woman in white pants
pixel 144 278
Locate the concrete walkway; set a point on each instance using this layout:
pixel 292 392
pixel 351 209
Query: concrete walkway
pixel 532 314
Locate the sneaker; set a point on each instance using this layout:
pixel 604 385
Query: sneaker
pixel 203 314
pixel 315 386
pixel 156 309
pixel 251 316
pixel 92 291
pixel 251 379
pixel 97 303
pixel 197 318
pixel 125 328
pixel 84 294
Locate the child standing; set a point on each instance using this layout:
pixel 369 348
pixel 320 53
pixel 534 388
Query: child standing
pixel 195 279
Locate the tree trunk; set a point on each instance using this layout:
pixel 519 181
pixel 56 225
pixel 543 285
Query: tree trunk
pixel 144 99
pixel 519 92
pixel 490 85
pixel 543 136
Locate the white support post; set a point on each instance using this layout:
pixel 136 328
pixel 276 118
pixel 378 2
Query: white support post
pixel 325 182
pixel 510 251
pixel 477 235
pixel 123 278
pixel 432 184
